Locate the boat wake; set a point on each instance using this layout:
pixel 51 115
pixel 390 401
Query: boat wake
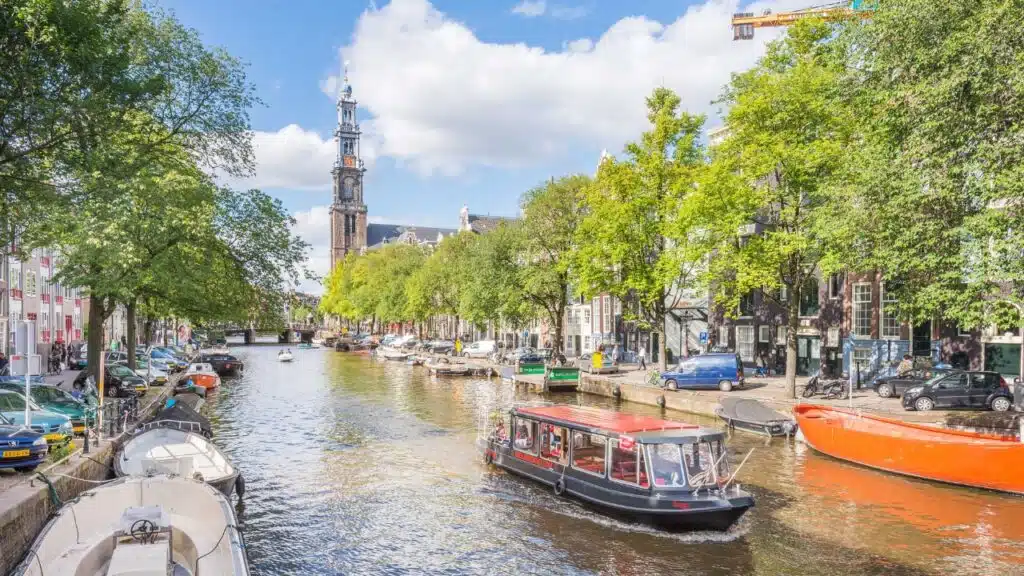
pixel 535 497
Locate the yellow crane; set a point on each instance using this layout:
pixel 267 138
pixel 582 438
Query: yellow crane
pixel 744 23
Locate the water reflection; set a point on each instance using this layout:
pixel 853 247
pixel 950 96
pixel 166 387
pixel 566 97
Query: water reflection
pixel 361 467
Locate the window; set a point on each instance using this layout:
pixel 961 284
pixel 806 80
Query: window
pixel 16 278
pixel 588 452
pixel 862 310
pixel 704 463
pixel 568 343
pixel 747 305
pixel 835 286
pixel 953 382
pixel 666 465
pixel 890 321
pixel 552 442
pixel 526 436
pixel 780 335
pixel 862 356
pixel 745 342
pixel 586 320
pixel 606 314
pixel 764 334
pixel 586 343
pixel 809 298
pixel 723 336
pixel 628 463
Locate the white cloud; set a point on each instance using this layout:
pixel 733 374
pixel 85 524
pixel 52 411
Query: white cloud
pixel 314 226
pixel 441 99
pixel 530 8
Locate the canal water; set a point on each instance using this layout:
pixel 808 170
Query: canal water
pixel 360 467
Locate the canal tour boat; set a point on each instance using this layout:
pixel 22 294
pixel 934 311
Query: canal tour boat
pixel 670 474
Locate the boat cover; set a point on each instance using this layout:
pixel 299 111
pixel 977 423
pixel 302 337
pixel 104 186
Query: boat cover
pixel 181 411
pixel 749 410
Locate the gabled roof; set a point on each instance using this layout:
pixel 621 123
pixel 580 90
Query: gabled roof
pixel 378 234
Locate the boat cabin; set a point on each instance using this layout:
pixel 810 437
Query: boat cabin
pixel 635 451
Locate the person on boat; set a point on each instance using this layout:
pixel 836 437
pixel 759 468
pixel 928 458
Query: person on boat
pixel 499 431
pixel 523 440
pixel 906 366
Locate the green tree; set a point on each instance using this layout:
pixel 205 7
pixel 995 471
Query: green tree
pixel 632 241
pixel 493 290
pixel 780 170
pixel 436 288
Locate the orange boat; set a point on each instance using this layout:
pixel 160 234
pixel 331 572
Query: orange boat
pixel 202 374
pixel 953 456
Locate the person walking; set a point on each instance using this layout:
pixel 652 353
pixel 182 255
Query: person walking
pixel 458 346
pixel 906 365
pixel 615 354
pixel 641 358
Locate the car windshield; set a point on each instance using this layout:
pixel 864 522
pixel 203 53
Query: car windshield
pixel 46 394
pixel 17 402
pixel 4 420
pixel 121 371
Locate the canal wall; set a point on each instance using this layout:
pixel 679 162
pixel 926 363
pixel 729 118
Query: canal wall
pixel 27 506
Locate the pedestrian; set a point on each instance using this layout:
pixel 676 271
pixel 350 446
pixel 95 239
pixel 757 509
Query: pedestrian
pixel 906 365
pixel 615 353
pixel 4 362
pixel 458 346
pixel 641 358
pixel 124 341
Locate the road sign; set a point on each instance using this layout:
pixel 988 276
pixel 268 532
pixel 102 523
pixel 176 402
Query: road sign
pixel 703 337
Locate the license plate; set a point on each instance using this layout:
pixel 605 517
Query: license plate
pixel 79 429
pixel 54 437
pixel 16 453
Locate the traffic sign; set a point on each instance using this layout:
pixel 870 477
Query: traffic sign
pixel 703 337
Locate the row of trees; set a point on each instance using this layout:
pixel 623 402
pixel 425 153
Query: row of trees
pixel 113 117
pixel 888 145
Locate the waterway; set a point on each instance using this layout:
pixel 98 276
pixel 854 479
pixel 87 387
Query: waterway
pixel 361 467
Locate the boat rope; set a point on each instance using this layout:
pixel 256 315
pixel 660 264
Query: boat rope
pixel 79 479
pixel 107 466
pixel 217 544
pixel 53 491
pixel 39 562
pixel 738 468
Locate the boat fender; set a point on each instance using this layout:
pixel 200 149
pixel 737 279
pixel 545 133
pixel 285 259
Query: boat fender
pixel 240 485
pixel 617 391
pixel 661 401
pixel 559 487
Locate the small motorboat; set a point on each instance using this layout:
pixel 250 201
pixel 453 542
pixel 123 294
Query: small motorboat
pixel 448 369
pixel 670 474
pixel 158 525
pixel 750 415
pixel 414 361
pixel 200 374
pixel 991 461
pixel 285 356
pixel 179 415
pixel 305 346
pixel 392 354
pixel 162 450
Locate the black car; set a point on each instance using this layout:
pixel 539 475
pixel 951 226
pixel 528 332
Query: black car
pixel 978 390
pixel 118 382
pixel 895 386
pixel 223 364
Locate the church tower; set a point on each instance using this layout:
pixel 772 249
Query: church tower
pixel 348 212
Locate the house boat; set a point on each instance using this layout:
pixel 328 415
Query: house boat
pixel 670 474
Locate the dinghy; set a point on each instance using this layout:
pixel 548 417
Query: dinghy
pixel 141 526
pixel 201 374
pixel 285 356
pixel 162 450
pixel 750 415
pixel 396 355
pixel 444 369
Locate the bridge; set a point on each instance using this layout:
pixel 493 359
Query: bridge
pixel 296 332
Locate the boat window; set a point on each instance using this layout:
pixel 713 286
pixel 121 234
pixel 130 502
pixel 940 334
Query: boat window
pixel 628 463
pixel 552 442
pixel 588 452
pixel 526 435
pixel 699 459
pixel 666 465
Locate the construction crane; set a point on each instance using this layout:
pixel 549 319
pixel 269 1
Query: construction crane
pixel 744 23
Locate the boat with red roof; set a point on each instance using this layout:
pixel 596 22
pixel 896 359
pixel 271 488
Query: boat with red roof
pixel 670 474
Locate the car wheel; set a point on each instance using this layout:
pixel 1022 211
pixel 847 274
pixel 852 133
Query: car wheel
pixel 465 354
pixel 25 468
pixel 671 384
pixel 884 390
pixel 725 386
pixel 923 404
pixel 1001 404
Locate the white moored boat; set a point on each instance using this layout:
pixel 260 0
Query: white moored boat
pixel 162 450
pixel 285 356
pixel 162 525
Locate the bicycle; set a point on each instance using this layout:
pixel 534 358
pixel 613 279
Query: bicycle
pixel 654 379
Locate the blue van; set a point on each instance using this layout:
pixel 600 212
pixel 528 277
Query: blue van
pixel 723 371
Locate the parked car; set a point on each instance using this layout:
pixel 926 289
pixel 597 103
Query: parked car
pixel 479 349
pixel 52 398
pixel 723 371
pixel 223 364
pixel 81 359
pixel 56 428
pixel 174 362
pixel 441 346
pixel 894 386
pixel 971 390
pixel 586 362
pixel 20 448
pixel 118 382
pixel 157 376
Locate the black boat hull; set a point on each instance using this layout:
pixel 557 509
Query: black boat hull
pixel 773 428
pixel 668 510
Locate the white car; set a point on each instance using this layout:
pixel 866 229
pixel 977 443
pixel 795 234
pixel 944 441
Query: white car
pixel 479 349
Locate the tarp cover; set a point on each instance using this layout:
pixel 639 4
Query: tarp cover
pixel 749 410
pixel 181 411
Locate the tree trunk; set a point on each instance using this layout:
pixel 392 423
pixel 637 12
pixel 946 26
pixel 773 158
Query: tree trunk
pixel 94 340
pixel 794 322
pixel 147 331
pixel 131 333
pixel 556 342
pixel 662 357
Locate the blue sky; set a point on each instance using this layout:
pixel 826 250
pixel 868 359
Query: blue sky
pixel 461 101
